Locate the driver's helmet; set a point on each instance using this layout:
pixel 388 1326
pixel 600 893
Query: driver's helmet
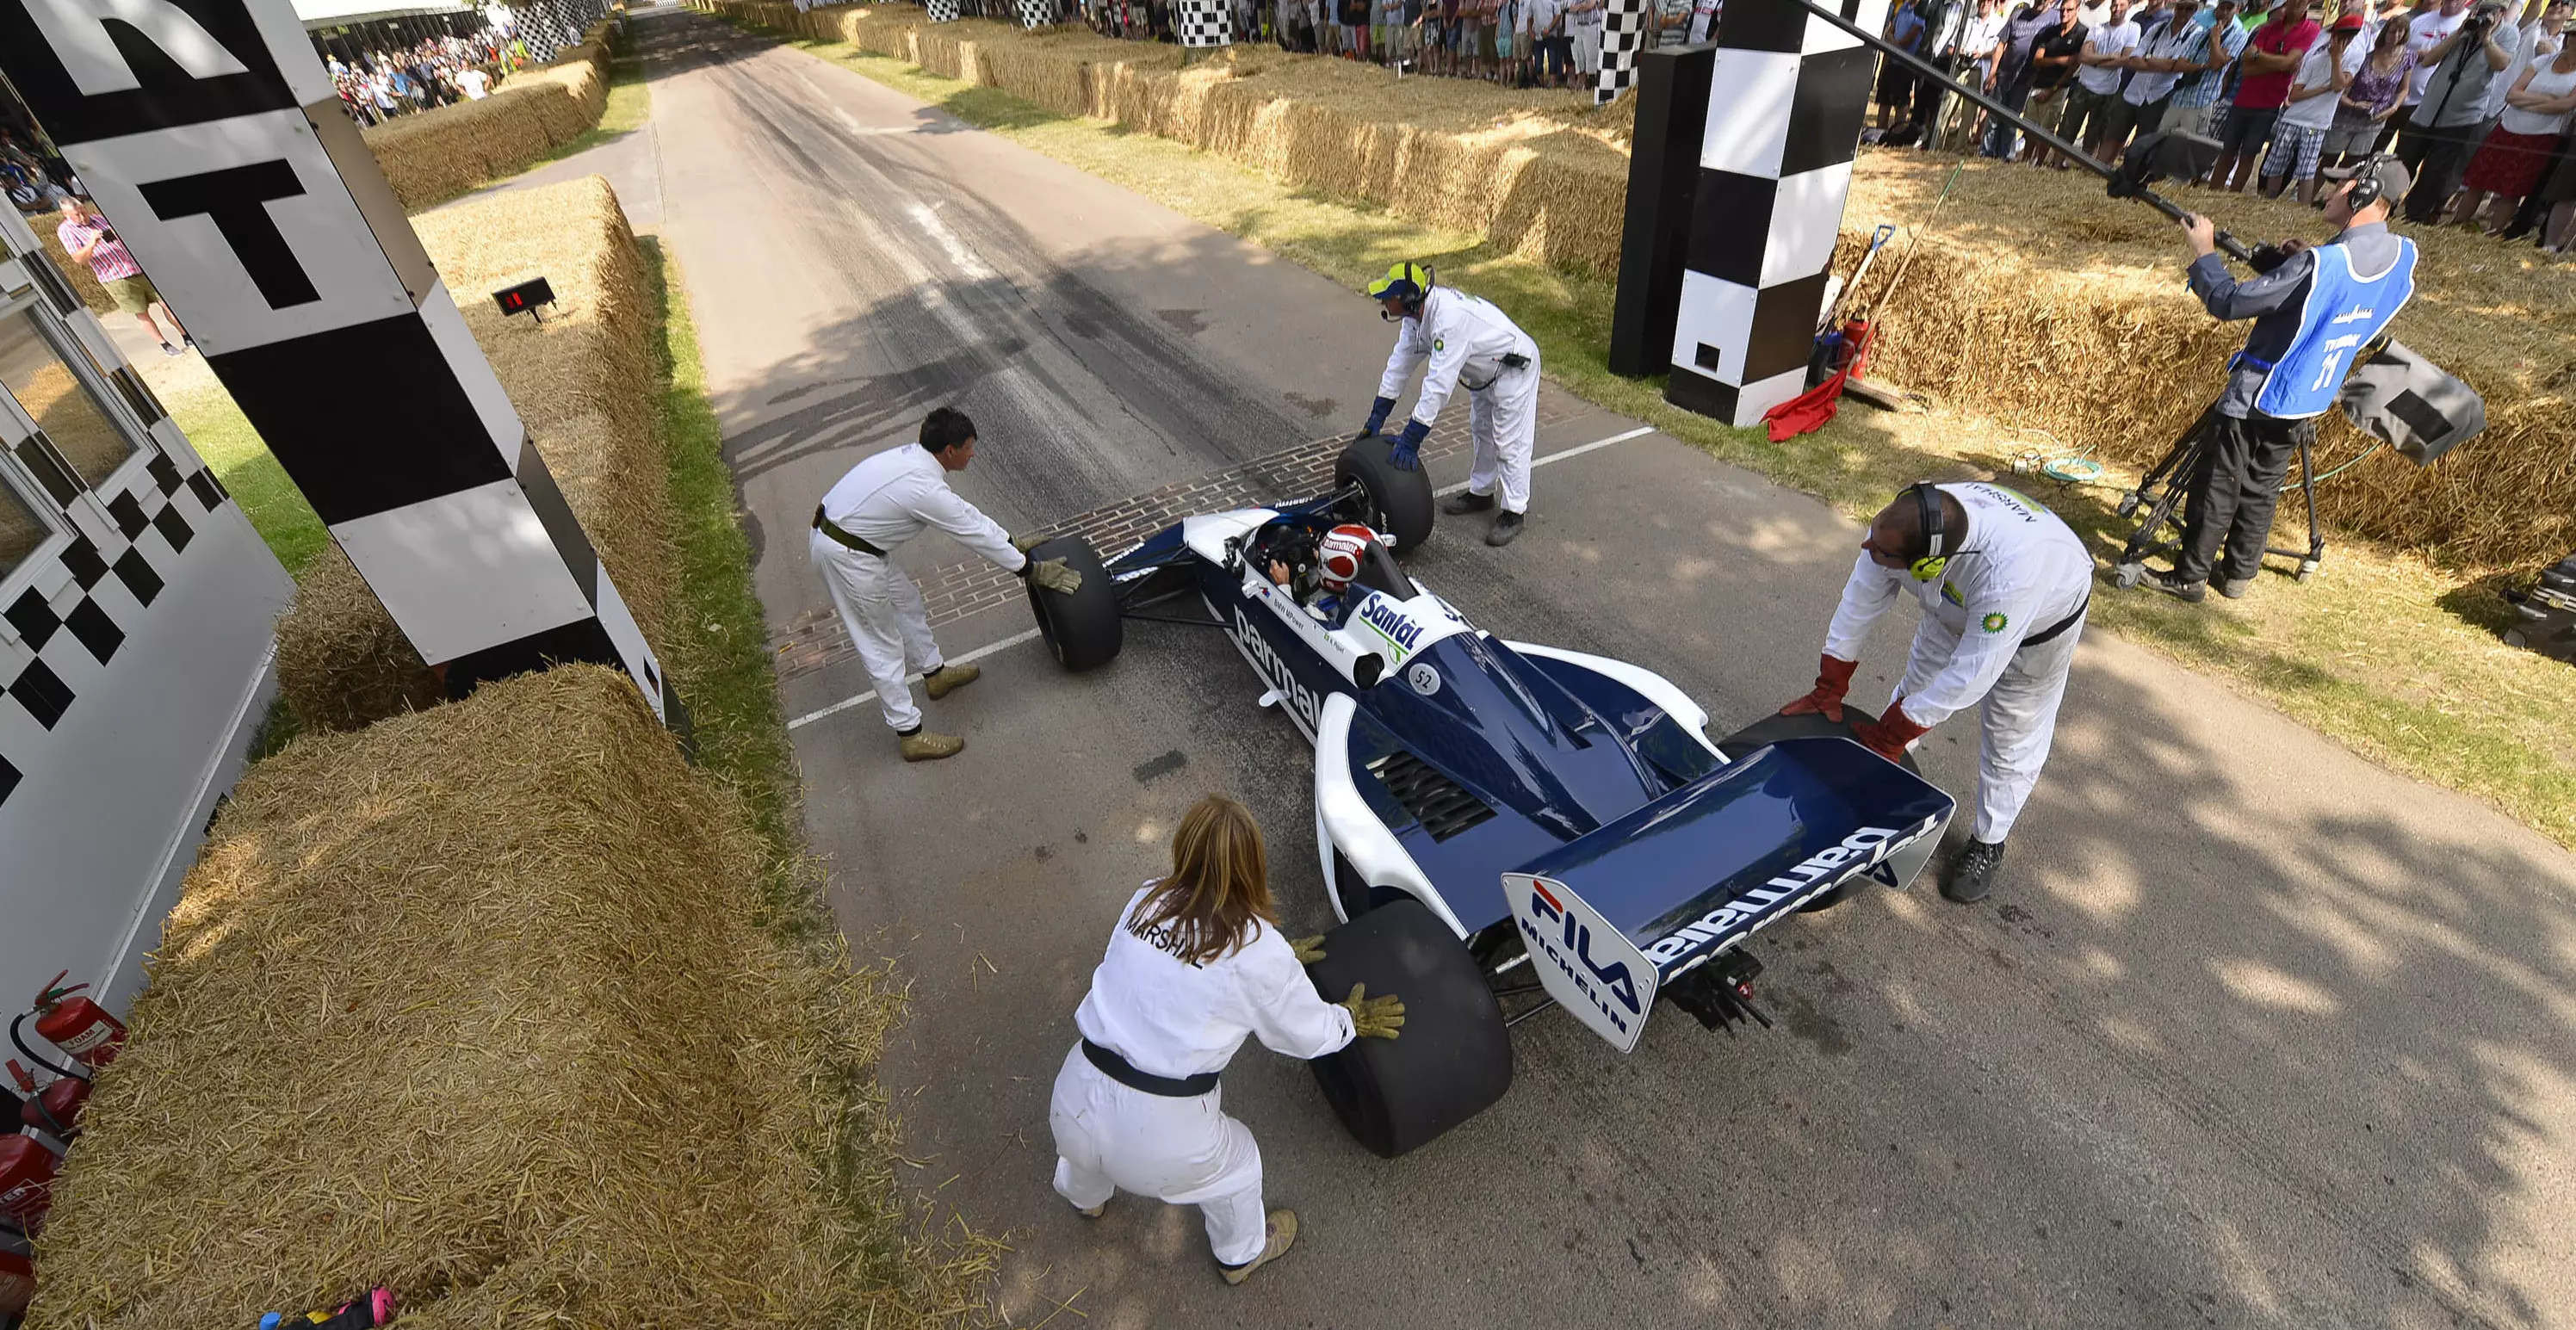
pixel 1338 555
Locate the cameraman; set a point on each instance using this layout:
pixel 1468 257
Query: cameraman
pixel 2312 313
pixel 2448 124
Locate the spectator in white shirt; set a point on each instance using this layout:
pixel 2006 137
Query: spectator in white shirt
pixel 2299 136
pixel 2097 84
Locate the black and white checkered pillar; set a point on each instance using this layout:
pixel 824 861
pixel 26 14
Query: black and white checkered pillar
pixel 1623 35
pixel 1785 108
pixel 942 11
pixel 1036 14
pixel 1203 23
pixel 212 138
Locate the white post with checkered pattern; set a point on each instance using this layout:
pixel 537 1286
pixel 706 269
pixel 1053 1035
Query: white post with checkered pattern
pixel 1785 109
pixel 1623 35
pixel 1036 14
pixel 943 11
pixel 1204 23
pixel 235 177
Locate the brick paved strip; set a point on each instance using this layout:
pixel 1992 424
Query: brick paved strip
pixel 954 591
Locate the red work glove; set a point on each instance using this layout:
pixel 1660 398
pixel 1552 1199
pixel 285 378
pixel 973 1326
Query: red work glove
pixel 1891 733
pixel 1833 679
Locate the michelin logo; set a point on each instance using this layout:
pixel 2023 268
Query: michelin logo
pixel 1860 851
pixel 1302 699
pixel 1612 990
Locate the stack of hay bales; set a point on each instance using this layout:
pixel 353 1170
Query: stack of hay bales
pixel 2042 302
pixel 476 1003
pixel 584 383
pixel 1540 173
pixel 440 154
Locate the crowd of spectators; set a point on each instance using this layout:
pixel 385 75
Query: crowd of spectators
pixel 1521 43
pixel 379 85
pixel 2476 99
pixel 2475 96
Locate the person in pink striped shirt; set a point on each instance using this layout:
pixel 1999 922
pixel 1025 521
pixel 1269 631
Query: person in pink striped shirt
pixel 86 236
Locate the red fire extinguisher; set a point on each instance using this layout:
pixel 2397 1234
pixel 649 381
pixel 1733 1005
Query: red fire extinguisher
pixel 75 1025
pixel 26 1181
pixel 55 1107
pixel 17 1284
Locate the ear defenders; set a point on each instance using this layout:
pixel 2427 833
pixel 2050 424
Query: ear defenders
pixel 1935 557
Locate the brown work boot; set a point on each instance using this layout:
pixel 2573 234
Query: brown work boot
pixel 924 746
pixel 1282 1236
pixel 949 678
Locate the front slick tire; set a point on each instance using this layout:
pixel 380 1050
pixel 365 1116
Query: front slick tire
pixel 1453 1059
pixel 1082 629
pixel 1399 501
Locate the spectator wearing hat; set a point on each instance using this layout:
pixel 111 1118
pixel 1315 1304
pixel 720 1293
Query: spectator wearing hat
pixel 2270 64
pixel 2450 121
pixel 2299 136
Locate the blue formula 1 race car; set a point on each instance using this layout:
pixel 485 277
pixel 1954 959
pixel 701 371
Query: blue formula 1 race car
pixel 1503 827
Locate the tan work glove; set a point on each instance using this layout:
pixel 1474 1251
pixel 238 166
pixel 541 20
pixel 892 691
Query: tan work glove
pixel 1309 949
pixel 1375 1017
pixel 1028 541
pixel 1055 577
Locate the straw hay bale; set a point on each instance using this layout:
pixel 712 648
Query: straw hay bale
pixel 583 382
pixel 2040 301
pixel 476 1003
pixel 439 154
pixel 1539 172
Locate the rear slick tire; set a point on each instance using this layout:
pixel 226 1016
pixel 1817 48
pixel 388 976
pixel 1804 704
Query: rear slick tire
pixel 1082 628
pixel 1453 1058
pixel 1400 506
pixel 1774 728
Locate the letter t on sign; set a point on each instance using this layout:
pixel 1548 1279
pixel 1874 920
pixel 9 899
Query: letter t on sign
pixel 236 200
pixel 210 134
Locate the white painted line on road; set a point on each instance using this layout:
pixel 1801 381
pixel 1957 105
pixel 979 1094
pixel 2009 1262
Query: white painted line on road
pixel 969 264
pixel 851 124
pixel 1031 635
pixel 1576 451
pixel 871 695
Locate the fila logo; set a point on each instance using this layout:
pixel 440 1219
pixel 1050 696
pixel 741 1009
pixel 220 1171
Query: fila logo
pixel 1567 941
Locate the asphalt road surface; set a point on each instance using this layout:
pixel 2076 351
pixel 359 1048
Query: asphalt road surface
pixel 2255 1034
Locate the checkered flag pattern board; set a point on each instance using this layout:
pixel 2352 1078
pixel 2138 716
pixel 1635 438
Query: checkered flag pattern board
pixel 1203 22
pixel 1623 35
pixel 273 232
pixel 1785 108
pixel 943 11
pixel 1035 14
pixel 57 646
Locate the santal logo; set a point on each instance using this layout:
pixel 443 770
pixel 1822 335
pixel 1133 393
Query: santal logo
pixel 1391 624
pixel 1551 930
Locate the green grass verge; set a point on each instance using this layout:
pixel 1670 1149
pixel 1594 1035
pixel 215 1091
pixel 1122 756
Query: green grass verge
pixel 224 438
pixel 716 636
pixel 630 104
pixel 2393 657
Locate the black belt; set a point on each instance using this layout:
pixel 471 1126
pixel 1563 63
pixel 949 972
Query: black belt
pixel 1124 1072
pixel 2058 629
pixel 827 527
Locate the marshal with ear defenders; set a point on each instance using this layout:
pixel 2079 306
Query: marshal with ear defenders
pixel 1927 503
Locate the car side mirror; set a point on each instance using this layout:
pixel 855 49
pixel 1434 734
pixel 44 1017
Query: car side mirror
pixel 1368 669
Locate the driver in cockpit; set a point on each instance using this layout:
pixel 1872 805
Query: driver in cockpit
pixel 1322 585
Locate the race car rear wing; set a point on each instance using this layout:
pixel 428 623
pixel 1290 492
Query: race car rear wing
pixel 1612 916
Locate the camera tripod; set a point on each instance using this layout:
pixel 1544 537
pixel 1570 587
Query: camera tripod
pixel 2164 490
